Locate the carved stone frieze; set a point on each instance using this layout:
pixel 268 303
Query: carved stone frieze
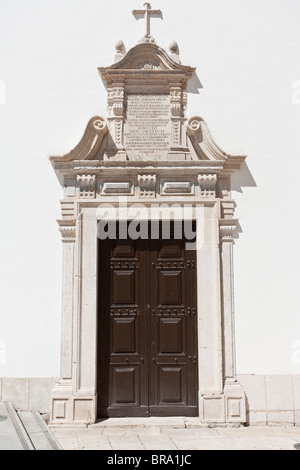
pixel 117 187
pixel 175 94
pixel 207 184
pixel 87 186
pixel 176 187
pixel 227 228
pixel 178 103
pixel 116 94
pixel 146 185
pixel 176 109
pixel 184 101
pixel 176 133
pixel 67 229
pixel 116 109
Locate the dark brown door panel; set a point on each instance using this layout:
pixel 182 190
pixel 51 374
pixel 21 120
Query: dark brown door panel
pixel 147 333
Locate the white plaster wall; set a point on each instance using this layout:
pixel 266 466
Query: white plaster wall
pixel 247 58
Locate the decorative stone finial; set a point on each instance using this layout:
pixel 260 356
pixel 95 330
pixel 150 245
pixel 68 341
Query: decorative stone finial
pixel 120 51
pixel 147 13
pixel 174 52
pixel 173 47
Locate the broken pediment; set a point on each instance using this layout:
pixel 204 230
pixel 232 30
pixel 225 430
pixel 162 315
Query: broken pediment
pixel 90 143
pixel 146 122
pixel 203 146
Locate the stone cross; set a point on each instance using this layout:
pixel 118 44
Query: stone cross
pixel 147 13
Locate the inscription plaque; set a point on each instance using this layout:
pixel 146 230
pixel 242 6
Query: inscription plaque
pixel 147 131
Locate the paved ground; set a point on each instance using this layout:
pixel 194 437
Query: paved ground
pixel 27 431
pixel 173 434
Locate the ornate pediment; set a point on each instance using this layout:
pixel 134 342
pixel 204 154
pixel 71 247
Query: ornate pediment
pixel 147 99
pixel 146 121
pixel 146 57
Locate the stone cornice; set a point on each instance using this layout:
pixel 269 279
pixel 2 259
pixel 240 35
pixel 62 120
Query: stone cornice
pixel 97 167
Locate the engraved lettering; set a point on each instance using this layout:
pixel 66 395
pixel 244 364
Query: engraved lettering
pixel 147 130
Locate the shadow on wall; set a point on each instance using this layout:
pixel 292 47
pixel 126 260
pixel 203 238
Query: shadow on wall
pixel 241 179
pixel 247 410
pixel 194 85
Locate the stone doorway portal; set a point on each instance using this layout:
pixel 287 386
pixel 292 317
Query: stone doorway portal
pixel 148 156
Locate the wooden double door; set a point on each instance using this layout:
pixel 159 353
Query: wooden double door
pixel 147 328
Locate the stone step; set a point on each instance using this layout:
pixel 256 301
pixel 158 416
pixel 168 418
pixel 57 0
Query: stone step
pixel 24 430
pixel 38 432
pixel 13 435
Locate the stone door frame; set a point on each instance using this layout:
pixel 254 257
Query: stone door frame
pixel 221 398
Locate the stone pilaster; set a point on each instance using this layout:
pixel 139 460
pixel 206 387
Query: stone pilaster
pixel 73 399
pixel 116 111
pixel 178 102
pixel 60 396
pixel 68 231
pixel 235 410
